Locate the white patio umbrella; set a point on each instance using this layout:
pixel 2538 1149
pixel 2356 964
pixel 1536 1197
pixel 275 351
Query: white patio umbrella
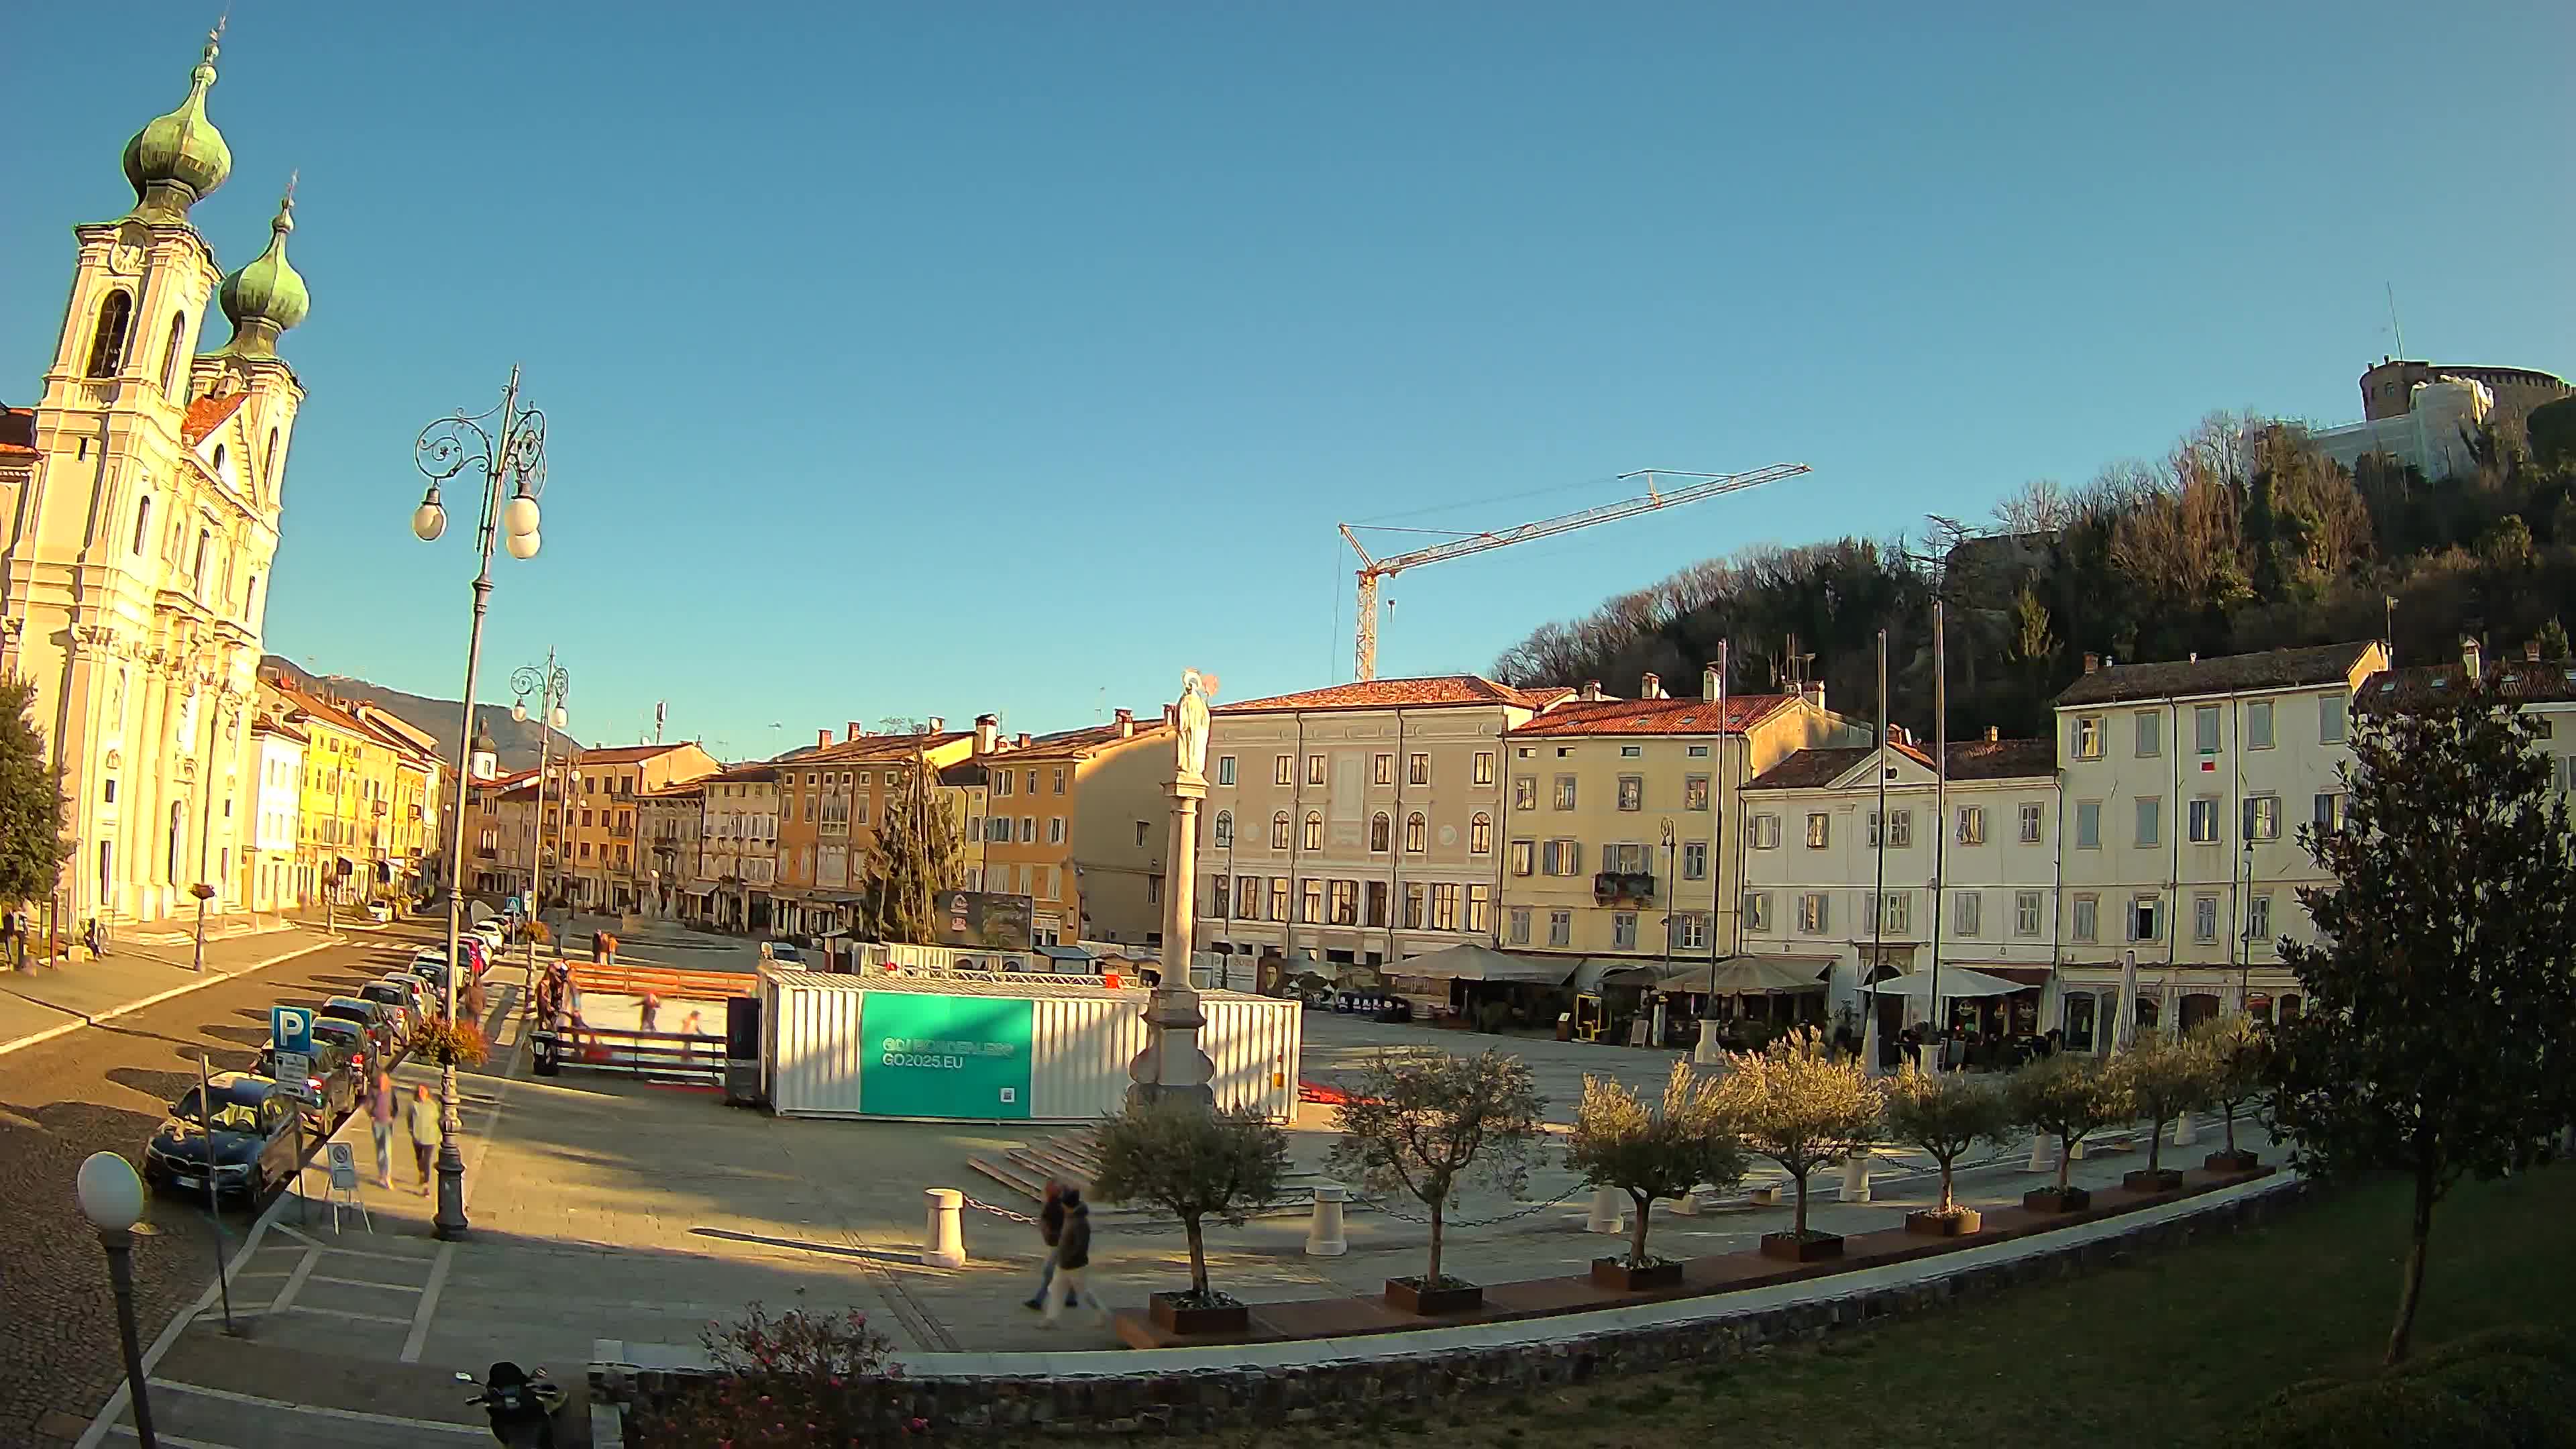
pixel 2124 1026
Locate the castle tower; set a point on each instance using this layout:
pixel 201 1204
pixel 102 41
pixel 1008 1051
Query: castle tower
pixel 135 572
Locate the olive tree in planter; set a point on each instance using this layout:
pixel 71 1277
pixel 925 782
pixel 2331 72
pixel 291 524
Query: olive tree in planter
pixel 1798 1106
pixel 1619 1141
pixel 1194 1164
pixel 2239 1054
pixel 1945 1114
pixel 2069 1098
pixel 2164 1079
pixel 1422 1124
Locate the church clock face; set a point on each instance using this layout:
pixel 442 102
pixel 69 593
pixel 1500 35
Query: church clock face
pixel 125 259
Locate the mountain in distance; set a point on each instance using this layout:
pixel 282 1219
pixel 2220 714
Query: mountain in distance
pixel 514 743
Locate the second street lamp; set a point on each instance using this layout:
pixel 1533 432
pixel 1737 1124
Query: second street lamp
pixel 549 684
pixel 508 447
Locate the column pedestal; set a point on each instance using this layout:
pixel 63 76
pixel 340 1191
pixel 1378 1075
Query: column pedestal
pixel 1324 1231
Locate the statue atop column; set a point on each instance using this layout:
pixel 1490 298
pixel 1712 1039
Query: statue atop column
pixel 1190 743
pixel 1172 1064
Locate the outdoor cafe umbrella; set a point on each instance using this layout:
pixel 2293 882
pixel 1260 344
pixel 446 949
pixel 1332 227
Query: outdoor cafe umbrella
pixel 2124 1029
pixel 1956 982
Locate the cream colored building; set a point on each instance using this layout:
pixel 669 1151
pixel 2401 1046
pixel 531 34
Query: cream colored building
pixel 276 813
pixel 141 538
pixel 1826 888
pixel 668 820
pixel 1597 785
pixel 738 848
pixel 1079 821
pixel 1360 823
pixel 604 865
pixel 2185 786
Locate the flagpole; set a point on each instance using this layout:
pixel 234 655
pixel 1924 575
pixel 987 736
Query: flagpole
pixel 1940 811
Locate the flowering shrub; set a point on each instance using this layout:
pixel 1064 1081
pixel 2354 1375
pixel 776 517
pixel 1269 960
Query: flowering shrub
pixel 437 1039
pixel 786 1380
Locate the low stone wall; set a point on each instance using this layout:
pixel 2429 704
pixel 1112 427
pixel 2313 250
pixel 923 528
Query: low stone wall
pixel 1148 1400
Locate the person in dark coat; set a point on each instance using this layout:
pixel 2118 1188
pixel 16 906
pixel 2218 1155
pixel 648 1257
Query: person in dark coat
pixel 1073 1260
pixel 1050 1232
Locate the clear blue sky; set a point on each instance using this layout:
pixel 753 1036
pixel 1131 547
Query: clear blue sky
pixel 930 359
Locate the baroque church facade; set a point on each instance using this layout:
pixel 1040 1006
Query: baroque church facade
pixel 143 531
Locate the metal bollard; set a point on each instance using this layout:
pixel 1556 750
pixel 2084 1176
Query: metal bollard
pixel 1605 1215
pixel 1324 1230
pixel 943 1238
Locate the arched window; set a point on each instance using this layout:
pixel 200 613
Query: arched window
pixel 268 466
pixel 198 573
pixel 107 340
pixel 1225 830
pixel 142 524
pixel 1279 831
pixel 1381 832
pixel 1314 830
pixel 171 356
pixel 1416 832
pixel 1480 835
pixel 219 460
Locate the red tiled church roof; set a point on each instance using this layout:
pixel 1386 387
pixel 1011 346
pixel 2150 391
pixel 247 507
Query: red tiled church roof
pixel 1691 716
pixel 209 413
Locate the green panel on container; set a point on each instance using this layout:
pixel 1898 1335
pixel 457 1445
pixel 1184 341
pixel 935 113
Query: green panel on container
pixel 944 1056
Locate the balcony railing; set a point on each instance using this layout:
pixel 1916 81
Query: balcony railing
pixel 1623 886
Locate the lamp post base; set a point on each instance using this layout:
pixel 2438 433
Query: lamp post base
pixel 449 1224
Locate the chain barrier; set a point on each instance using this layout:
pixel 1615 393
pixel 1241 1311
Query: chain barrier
pixel 1381 1205
pixel 1003 1213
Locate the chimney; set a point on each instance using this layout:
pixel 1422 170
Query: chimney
pixel 2531 650
pixel 1023 741
pixel 822 738
pixel 2470 656
pixel 1991 734
pixel 1708 684
pixel 1813 692
pixel 1651 687
pixel 2092 662
pixel 1591 690
pixel 1127 723
pixel 987 728
pixel 853 730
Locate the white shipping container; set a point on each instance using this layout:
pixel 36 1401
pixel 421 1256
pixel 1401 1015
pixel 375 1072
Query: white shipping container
pixel 1081 1039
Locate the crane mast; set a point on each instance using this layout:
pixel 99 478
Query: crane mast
pixel 1694 487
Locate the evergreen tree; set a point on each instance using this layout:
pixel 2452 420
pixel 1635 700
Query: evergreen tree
pixel 32 846
pixel 917 852
pixel 2440 1036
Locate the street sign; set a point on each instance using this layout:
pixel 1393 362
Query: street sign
pixel 290 1029
pixel 344 1167
pixel 295 1074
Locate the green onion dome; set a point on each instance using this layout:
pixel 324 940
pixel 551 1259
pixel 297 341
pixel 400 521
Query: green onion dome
pixel 175 160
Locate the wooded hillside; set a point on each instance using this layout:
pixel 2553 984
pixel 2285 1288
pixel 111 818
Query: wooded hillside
pixel 2241 538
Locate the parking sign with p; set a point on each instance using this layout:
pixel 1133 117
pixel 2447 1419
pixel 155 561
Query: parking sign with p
pixel 290 1028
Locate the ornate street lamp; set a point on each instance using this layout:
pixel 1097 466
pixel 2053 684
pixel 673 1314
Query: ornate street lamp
pixel 111 1197
pixel 549 684
pixel 507 446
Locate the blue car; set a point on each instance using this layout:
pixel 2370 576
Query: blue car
pixel 246 1142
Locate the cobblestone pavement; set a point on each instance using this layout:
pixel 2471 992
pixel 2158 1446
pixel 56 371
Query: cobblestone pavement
pixel 104 1088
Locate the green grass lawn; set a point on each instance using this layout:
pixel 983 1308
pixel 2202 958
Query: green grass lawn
pixel 2163 1352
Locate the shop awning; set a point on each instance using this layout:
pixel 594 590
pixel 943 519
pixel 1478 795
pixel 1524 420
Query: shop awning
pixel 1956 981
pixel 1066 955
pixel 1471 962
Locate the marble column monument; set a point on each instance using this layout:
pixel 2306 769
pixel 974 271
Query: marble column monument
pixel 1172 1065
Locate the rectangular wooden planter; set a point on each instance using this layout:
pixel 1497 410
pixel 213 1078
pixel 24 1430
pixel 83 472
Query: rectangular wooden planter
pixel 1813 1248
pixel 1405 1297
pixel 2054 1200
pixel 2231 1162
pixel 1931 1223
pixel 2162 1179
pixel 1171 1317
pixel 1614 1273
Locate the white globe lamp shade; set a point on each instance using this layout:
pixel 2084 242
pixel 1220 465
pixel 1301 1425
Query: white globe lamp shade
pixel 428 521
pixel 519 710
pixel 560 718
pixel 519 516
pixel 111 1196
pixel 523 545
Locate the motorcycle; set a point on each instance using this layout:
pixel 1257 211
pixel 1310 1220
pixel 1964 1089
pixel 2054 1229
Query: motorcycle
pixel 522 1406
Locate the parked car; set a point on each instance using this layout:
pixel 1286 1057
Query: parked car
pixel 494 932
pixel 239 1126
pixel 338 1059
pixel 784 951
pixel 422 1000
pixel 380 913
pixel 372 1015
pixel 396 999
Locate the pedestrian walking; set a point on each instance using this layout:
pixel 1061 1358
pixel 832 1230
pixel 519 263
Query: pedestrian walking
pixel 380 1117
pixel 97 935
pixel 1050 1232
pixel 9 939
pixel 652 1015
pixel 421 1120
pixel 1073 1260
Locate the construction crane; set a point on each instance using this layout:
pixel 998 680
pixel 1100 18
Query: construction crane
pixel 1696 487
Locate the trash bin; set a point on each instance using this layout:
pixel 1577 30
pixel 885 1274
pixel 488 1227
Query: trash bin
pixel 1565 1026
pixel 548 1064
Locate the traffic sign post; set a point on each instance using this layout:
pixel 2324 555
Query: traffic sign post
pixel 295 1074
pixel 290 1029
